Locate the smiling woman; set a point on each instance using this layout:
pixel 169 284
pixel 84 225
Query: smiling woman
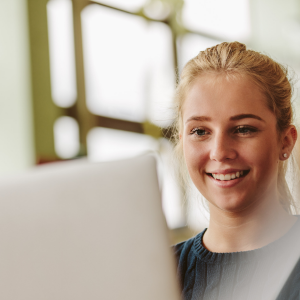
pixel 234 135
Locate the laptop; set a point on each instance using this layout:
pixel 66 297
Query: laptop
pixel 81 230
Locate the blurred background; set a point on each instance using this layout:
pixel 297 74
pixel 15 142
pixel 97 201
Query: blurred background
pixel 96 78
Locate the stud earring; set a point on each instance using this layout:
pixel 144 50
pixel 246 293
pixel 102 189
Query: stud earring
pixel 284 155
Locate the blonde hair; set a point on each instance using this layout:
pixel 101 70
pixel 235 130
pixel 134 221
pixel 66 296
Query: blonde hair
pixel 233 59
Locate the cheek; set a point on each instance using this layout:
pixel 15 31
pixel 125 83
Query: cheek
pixel 194 156
pixel 262 158
pixel 269 164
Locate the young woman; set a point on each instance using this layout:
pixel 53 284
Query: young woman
pixel 235 135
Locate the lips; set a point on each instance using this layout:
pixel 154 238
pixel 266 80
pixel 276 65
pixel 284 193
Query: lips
pixel 228 175
pixel 225 182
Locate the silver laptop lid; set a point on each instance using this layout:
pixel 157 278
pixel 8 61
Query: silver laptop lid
pixel 80 230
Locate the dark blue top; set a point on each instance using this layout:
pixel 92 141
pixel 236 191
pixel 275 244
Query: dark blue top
pixel 252 275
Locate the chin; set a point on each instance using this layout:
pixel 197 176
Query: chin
pixel 231 204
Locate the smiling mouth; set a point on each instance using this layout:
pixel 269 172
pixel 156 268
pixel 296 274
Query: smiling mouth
pixel 229 176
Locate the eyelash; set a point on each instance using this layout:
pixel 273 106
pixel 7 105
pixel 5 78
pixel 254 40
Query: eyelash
pixel 250 130
pixel 194 130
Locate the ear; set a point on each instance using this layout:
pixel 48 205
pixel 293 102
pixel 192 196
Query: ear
pixel 180 136
pixel 289 138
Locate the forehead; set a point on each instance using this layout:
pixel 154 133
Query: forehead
pixel 218 96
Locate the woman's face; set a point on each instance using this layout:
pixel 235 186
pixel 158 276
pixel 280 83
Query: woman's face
pixel 230 142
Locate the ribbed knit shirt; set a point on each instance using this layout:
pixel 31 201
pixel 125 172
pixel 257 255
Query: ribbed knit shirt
pixel 244 275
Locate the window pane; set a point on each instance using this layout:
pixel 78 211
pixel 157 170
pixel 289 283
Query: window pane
pixel 158 10
pixel 130 5
pixel 229 19
pixel 106 144
pixel 189 45
pixel 114 50
pixel 128 65
pixel 62 57
pixel 161 80
pixel 66 137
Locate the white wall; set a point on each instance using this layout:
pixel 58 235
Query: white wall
pixel 16 135
pixel 275 26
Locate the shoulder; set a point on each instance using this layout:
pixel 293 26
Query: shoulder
pixel 291 244
pixel 186 256
pixel 184 248
pixel 291 288
pixel 185 252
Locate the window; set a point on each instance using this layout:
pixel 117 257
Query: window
pixel 113 68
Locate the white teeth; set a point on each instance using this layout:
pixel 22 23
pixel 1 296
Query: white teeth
pixel 227 176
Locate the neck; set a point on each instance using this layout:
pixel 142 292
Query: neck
pixel 247 230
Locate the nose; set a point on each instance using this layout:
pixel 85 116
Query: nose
pixel 222 148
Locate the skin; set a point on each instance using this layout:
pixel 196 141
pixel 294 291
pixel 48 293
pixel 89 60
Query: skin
pixel 227 127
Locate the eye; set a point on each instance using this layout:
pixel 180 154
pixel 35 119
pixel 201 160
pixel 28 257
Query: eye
pixel 199 131
pixel 245 130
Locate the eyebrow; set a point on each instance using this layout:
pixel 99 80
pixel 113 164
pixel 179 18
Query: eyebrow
pixel 246 116
pixel 234 118
pixel 200 118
